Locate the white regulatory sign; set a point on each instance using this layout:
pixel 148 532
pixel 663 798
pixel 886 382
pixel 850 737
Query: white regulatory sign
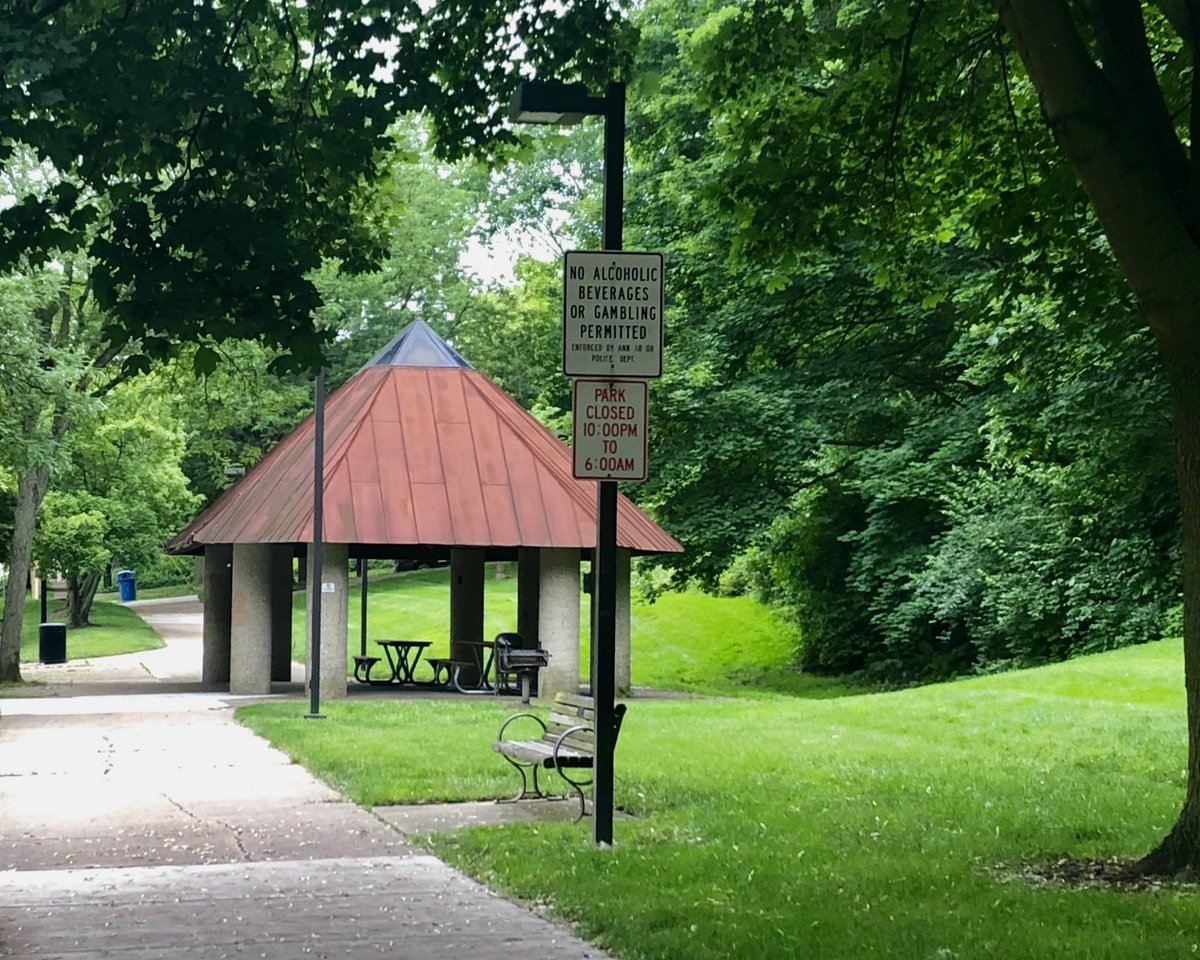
pixel 610 429
pixel 612 314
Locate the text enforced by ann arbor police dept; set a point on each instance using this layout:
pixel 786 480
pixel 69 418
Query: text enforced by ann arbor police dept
pixel 612 314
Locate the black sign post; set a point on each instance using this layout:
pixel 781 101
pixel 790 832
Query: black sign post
pixel 604 646
pixel 546 102
pixel 318 554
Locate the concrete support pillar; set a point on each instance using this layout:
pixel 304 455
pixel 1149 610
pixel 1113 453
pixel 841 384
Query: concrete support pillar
pixel 335 610
pixel 623 679
pixel 558 621
pixel 466 605
pixel 218 599
pixel 528 590
pixel 250 619
pixel 281 611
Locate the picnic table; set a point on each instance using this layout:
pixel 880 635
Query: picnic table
pixel 402 657
pixel 482 652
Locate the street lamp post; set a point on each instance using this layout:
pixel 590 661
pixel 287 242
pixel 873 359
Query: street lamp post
pixel 318 548
pixel 558 103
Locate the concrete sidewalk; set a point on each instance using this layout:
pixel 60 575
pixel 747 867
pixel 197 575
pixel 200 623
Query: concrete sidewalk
pixel 147 826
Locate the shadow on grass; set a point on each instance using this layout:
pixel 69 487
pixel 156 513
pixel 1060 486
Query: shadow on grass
pixel 793 683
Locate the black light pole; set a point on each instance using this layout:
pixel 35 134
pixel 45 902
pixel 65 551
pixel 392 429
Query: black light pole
pixel 557 103
pixel 318 557
pixel 362 606
pixel 604 647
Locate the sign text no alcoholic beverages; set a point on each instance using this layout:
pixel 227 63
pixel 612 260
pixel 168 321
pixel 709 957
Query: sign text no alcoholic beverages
pixel 612 314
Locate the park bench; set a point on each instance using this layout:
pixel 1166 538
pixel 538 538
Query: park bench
pixel 567 742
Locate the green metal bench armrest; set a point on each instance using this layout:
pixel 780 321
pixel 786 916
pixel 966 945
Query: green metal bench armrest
pixel 517 716
pixel 563 736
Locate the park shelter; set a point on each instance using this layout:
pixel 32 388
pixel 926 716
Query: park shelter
pixel 424 458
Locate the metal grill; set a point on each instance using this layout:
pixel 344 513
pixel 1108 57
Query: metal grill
pixel 515 659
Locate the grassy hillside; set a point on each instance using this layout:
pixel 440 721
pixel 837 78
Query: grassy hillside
pixel 115 629
pixel 894 825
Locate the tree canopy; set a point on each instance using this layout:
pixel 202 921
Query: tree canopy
pixel 199 162
pixel 209 156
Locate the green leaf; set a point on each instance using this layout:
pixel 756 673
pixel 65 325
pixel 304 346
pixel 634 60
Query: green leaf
pixel 205 360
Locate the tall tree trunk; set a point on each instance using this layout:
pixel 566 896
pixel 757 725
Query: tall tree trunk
pixel 1179 852
pixel 31 488
pixel 1109 119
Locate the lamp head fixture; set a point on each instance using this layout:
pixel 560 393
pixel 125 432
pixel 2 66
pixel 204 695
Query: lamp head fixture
pixel 551 102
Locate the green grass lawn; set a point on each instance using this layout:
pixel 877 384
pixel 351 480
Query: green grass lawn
pixel 883 825
pixel 155 593
pixel 115 629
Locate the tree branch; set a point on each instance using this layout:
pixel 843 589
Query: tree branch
pixel 1126 63
pixel 902 80
pixel 1121 173
pixel 1012 113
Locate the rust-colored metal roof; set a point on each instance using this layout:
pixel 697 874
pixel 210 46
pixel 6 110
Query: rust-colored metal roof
pixel 420 450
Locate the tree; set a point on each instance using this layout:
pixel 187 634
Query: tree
pixel 211 155
pixel 119 491
pixel 1112 110
pixel 233 416
pixel 528 313
pixel 429 205
pixel 944 138
pixel 53 361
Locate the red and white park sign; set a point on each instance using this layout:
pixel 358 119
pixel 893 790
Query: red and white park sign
pixel 610 421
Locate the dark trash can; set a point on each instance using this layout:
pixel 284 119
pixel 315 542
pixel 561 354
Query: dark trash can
pixel 52 643
pixel 127 585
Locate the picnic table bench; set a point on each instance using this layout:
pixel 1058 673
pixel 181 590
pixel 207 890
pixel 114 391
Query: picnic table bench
pixel 449 672
pixel 402 657
pixel 362 669
pixel 445 669
pixel 567 742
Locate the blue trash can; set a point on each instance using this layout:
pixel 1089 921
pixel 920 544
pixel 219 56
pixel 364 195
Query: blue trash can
pixel 127 585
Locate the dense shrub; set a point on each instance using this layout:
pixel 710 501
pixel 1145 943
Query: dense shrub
pixel 1014 528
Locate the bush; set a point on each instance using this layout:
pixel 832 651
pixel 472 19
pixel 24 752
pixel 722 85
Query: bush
pixel 748 576
pixel 934 557
pixel 165 571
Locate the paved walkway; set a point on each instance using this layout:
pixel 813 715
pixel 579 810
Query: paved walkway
pixel 150 826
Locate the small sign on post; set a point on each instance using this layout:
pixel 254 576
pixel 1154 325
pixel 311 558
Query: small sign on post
pixel 612 314
pixel 610 420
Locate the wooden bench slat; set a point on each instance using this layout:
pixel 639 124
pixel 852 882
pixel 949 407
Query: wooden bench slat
pixel 559 724
pixel 575 700
pixel 582 742
pixel 533 752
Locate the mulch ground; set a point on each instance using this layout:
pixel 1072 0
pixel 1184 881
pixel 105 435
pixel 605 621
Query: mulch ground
pixel 1115 873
